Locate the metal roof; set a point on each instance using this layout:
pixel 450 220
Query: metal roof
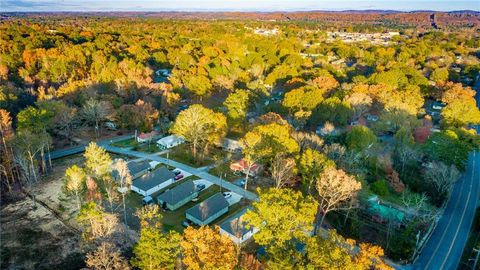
pixel 235 225
pixel 209 207
pixel 178 193
pixel 153 179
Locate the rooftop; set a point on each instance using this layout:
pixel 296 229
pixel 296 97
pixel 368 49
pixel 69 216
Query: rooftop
pixel 235 225
pixel 178 193
pixel 208 208
pixel 153 178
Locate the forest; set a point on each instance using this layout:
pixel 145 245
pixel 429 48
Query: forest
pixel 335 124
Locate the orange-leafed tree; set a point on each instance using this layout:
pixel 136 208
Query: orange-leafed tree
pixel 206 248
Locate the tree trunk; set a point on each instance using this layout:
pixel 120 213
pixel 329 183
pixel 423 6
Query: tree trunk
pixel 124 209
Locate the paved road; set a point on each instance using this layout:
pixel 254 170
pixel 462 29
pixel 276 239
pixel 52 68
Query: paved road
pixel 195 171
pixel 444 248
pixel 79 149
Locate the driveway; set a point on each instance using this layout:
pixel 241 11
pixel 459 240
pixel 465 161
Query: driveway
pixel 235 198
pixel 202 182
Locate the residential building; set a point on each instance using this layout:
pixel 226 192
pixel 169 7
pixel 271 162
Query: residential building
pixel 170 141
pixel 231 145
pixel 153 181
pixel 135 168
pixel 207 211
pixel 147 137
pixel 244 167
pixel 235 228
pixel 178 196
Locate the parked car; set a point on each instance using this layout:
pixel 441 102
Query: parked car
pixel 240 182
pixel 200 187
pixel 227 195
pixel 186 223
pixel 176 172
pixel 194 199
pixel 147 200
pixel 178 176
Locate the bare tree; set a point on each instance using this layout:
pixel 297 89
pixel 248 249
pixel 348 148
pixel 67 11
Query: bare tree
pixel 360 102
pixel 308 140
pixel 95 112
pixel 124 179
pixel 441 176
pixel 106 257
pixel 336 190
pixel 283 169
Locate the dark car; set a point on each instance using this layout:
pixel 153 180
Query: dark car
pixel 200 187
pixel 176 172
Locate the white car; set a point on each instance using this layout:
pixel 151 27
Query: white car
pixel 227 195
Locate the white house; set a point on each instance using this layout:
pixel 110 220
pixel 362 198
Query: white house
pixel 235 228
pixel 170 141
pixel 153 181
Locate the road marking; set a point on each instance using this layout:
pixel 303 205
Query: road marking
pixel 446 227
pixel 463 215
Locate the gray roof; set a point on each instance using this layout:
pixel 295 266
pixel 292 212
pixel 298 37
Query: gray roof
pixel 209 207
pixel 235 225
pixel 138 166
pixel 178 193
pixel 134 167
pixel 154 178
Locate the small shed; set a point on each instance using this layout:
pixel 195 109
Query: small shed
pixel 207 211
pixel 153 181
pixel 236 228
pixel 170 141
pixel 178 196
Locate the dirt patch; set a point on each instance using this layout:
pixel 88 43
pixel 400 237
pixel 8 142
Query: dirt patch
pixel 34 238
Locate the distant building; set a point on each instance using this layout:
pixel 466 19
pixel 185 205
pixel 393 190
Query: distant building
pixel 153 181
pixel 170 141
pixel 207 211
pixel 231 145
pixel 178 196
pixel 147 137
pixel 235 228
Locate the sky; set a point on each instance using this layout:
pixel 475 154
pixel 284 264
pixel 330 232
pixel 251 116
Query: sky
pixel 234 5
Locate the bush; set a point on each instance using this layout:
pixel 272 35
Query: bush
pixel 380 187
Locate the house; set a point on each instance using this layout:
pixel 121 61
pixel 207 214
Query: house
pixel 147 137
pixel 178 196
pixel 170 141
pixel 243 166
pixel 138 168
pixel 207 211
pixel 231 145
pixel 235 228
pixel 135 168
pixel 153 181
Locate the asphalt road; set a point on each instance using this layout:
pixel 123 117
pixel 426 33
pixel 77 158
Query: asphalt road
pixel 444 249
pixel 195 171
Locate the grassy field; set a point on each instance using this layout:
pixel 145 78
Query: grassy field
pixel 126 143
pixel 183 154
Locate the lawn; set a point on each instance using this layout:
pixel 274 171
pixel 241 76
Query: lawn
pixel 225 172
pixel 141 147
pixel 128 143
pixel 183 154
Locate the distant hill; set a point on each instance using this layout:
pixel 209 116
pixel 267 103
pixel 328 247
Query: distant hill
pixel 460 18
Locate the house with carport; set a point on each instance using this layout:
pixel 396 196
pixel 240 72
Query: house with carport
pixel 153 181
pixel 178 196
pixel 207 211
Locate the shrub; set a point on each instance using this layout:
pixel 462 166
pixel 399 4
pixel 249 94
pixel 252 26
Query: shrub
pixel 380 187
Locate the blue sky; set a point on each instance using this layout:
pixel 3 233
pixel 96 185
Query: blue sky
pixel 235 5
